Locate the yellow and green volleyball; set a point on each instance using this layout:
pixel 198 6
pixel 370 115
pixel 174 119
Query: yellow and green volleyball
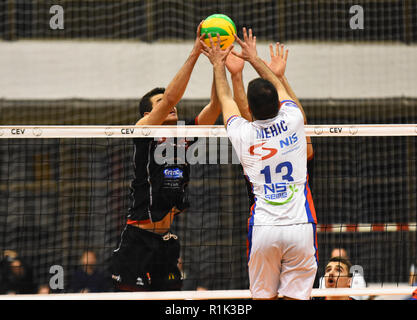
pixel 219 24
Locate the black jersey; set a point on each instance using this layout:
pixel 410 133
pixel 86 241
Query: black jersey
pixel 160 181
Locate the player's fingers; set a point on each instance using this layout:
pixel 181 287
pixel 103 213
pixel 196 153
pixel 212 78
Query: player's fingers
pixel 229 49
pixel 205 53
pixel 237 54
pixel 271 50
pixel 245 35
pixel 199 28
pixel 282 50
pixel 238 39
pixel 218 41
pixel 286 55
pixel 203 44
pixel 277 48
pixel 211 40
pixel 234 52
pixel 250 34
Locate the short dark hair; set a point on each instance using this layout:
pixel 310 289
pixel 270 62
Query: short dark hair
pixel 145 104
pixel 263 99
pixel 344 261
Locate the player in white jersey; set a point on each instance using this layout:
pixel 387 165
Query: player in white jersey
pixel 273 152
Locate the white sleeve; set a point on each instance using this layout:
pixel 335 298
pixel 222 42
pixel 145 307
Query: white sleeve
pixel 234 128
pixel 291 110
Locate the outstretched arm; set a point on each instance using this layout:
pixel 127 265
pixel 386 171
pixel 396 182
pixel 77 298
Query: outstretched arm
pixel 235 66
pixel 176 88
pixel 250 54
pixel 217 57
pixel 278 66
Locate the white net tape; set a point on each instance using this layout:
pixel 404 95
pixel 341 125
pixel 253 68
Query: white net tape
pixel 192 131
pixel 206 295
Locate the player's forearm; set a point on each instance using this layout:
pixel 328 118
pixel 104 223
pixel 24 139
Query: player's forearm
pixel 228 105
pixel 176 88
pixel 284 81
pixel 214 99
pixel 291 93
pixel 222 86
pixel 240 96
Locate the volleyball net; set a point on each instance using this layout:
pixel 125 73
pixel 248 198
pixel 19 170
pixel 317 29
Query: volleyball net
pixel 175 20
pixel 65 191
pixel 66 134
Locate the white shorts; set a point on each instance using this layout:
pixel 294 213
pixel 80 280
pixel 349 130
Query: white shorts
pixel 282 260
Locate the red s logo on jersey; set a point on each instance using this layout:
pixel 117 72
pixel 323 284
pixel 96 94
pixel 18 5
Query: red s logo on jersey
pixel 272 151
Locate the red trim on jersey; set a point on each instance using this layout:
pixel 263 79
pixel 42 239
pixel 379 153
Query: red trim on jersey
pixel 311 202
pixel 230 118
pixel 136 222
pixel 250 230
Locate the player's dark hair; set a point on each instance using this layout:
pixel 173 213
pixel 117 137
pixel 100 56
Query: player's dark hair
pixel 344 261
pixel 145 104
pixel 263 99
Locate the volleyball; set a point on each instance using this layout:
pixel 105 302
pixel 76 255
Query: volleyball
pixel 222 25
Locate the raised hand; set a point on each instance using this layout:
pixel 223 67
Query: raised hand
pixel 248 45
pixel 234 64
pixel 216 55
pixel 197 43
pixel 278 61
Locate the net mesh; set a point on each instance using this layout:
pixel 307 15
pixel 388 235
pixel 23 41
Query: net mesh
pixel 155 20
pixel 62 197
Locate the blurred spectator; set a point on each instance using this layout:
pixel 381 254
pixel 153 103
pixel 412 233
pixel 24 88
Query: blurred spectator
pixel 44 289
pixel 412 281
pixel 16 275
pixel 339 252
pixel 414 295
pixel 337 275
pixel 87 278
pixel 358 280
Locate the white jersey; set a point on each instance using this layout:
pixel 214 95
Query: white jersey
pixel 273 154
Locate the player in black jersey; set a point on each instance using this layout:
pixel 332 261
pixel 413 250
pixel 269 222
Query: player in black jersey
pixel 147 257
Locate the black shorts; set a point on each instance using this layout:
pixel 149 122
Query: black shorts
pixel 146 261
